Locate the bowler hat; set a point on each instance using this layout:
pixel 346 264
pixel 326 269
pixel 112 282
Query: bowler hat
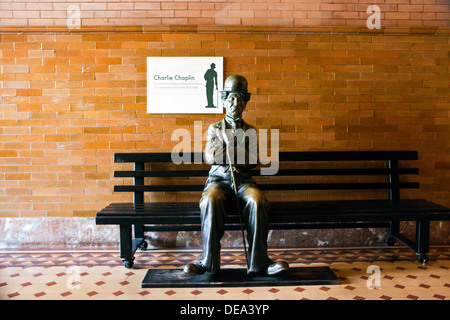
pixel 235 83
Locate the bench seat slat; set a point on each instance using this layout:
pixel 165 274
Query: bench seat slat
pixel 284 212
pixel 374 205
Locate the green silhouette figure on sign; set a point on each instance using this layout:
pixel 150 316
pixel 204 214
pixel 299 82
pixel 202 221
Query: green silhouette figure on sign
pixel 211 80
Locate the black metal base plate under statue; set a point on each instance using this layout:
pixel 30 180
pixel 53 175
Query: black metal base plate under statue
pixel 176 278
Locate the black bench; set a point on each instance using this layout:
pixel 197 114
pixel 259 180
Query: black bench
pixel 377 171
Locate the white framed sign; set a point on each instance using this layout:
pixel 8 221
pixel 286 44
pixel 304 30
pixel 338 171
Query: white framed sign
pixel 184 84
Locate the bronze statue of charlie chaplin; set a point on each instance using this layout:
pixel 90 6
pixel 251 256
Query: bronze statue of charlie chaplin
pixel 220 195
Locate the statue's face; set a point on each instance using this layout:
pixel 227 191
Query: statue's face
pixel 235 105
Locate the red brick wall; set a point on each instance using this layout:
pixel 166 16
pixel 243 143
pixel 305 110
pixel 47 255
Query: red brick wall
pixel 70 100
pixel 238 12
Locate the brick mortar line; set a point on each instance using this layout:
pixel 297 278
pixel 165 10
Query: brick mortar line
pixel 144 29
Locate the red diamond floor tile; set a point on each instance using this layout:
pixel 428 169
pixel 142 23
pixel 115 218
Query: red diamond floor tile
pixel 144 293
pixel 170 292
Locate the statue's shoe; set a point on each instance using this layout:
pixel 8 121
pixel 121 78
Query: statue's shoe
pixel 277 268
pixel 194 269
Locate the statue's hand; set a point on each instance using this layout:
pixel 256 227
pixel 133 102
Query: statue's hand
pixel 223 137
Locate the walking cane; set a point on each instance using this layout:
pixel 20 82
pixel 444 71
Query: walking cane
pixel 237 203
pixel 217 91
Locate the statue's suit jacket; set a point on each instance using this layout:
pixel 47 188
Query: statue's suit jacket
pixel 245 148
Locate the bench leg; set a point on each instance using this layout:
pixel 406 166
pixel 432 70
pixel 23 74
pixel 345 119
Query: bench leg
pixel 394 231
pixel 420 246
pixel 126 245
pixel 139 237
pixel 422 240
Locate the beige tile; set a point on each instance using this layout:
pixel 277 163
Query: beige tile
pixel 421 293
pixel 235 294
pixel 406 281
pixel 262 293
pixel 208 294
pixel 130 296
pixel 314 293
pixel 154 294
pixel 341 293
pixel 288 294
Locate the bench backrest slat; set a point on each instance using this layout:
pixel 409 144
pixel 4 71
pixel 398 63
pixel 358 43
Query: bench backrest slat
pixel 283 156
pixel 281 172
pixel 272 187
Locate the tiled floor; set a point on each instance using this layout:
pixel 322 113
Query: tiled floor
pixel 99 274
